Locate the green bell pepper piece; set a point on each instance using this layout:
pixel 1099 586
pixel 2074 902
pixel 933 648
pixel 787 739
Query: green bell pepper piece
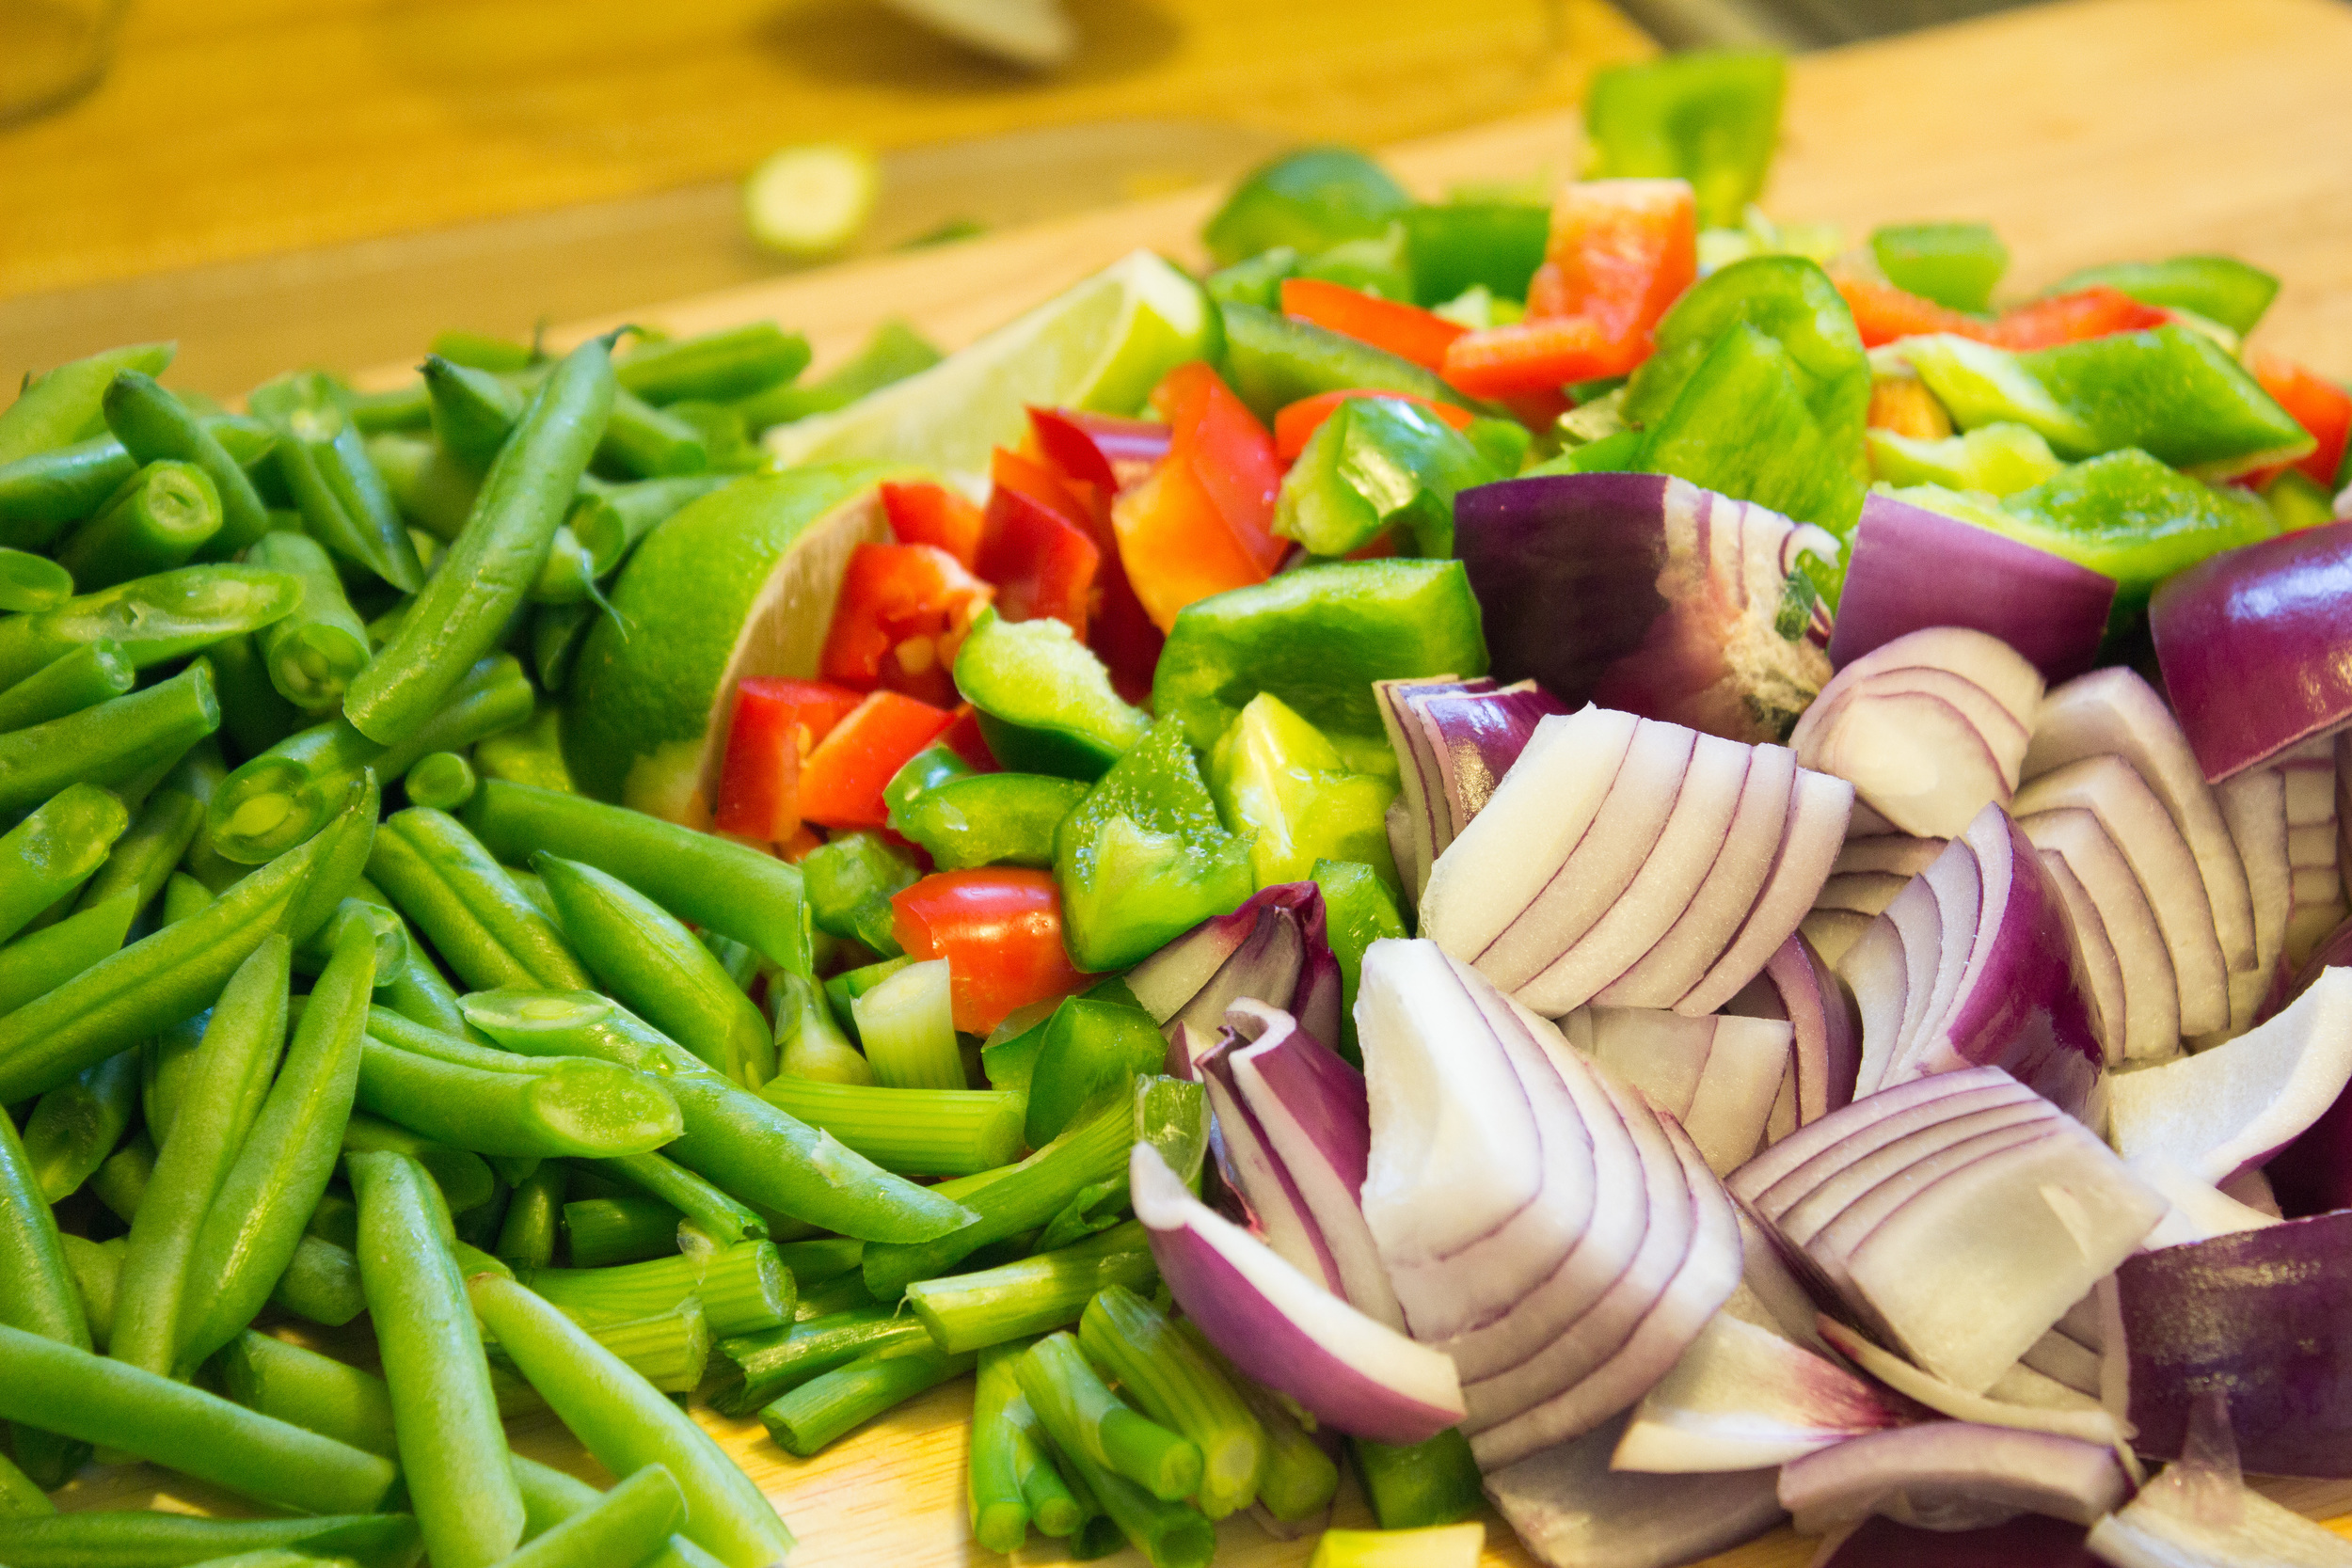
pixel 1709 116
pixel 2299 502
pixel 1272 361
pixel 991 818
pixel 1144 858
pixel 1378 463
pixel 2218 288
pixel 1786 298
pixel 1955 264
pixel 1359 908
pixel 1044 701
pixel 1998 459
pixel 926 769
pixel 1087 1045
pixel 1458 246
pixel 850 880
pixel 1504 443
pixel 1310 200
pixel 1743 427
pixel 1274 775
pixel 1377 265
pixel 1618 452
pixel 1318 638
pixel 1256 282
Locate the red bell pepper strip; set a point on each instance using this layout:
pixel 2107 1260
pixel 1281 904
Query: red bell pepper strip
pixel 2318 404
pixel 1296 424
pixel 842 780
pixel 1202 521
pixel 1621 252
pixel 1097 448
pixel 1036 545
pixel 2092 312
pixel 1883 314
pixel 1095 456
pixel 1404 330
pixel 900 619
pixel 775 724
pixel 962 736
pixel 923 514
pixel 1000 931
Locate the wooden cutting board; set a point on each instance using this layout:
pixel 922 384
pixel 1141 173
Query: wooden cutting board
pixel 2091 131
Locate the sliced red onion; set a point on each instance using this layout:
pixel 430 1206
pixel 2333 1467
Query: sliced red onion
pixel 1284 1330
pixel 1275 1211
pixel 2316 884
pixel 1309 1106
pixel 2028 1541
pixel 1717 1075
pixel 1930 728
pixel 2114 711
pixel 2201 1511
pixel 1646 594
pixel 1795 1166
pixel 2230 1109
pixel 1742 1398
pixel 1100 449
pixel 1454 742
pixel 1819 809
pixel 2056 1409
pixel 2268 618
pixel 2102 969
pixel 1273 949
pixel 2143 1024
pixel 1420 792
pixel 2254 804
pixel 1572 1511
pixel 2065 1360
pixel 1913 569
pixel 1833 932
pixel 1826 1049
pixel 1952 1476
pixel 1897 853
pixel 2201 1212
pixel 2252 1188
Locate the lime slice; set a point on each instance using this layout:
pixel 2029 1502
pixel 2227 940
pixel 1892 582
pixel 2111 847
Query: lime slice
pixel 740 582
pixel 1034 33
pixel 1101 344
pixel 811 201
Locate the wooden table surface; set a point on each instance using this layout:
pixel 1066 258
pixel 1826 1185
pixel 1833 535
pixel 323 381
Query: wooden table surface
pixel 2088 130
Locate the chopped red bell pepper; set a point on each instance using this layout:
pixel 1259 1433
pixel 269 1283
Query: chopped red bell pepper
pixel 1407 331
pixel 775 725
pixel 923 514
pixel 1000 931
pixel 1883 312
pixel 1296 424
pixel 1097 448
pixel 962 736
pixel 2092 312
pixel 1202 521
pixel 1095 456
pixel 1037 545
pixel 842 780
pixel 1621 252
pixel 901 617
pixel 2318 404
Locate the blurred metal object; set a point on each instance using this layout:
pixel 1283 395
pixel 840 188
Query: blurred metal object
pixel 51 52
pixel 1794 23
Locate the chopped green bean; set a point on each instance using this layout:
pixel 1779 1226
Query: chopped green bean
pixel 122 1179
pixel 58 405
pixel 715 366
pixel 443 779
pixel 30 583
pixel 153 426
pixel 152 620
pixel 442 878
pixel 52 852
pixel 148 1539
pixel 44 492
pixel 622 1529
pixel 313 653
pixel 112 744
pixel 527 1236
pixel 968 1311
pixel 160 518
pixel 714 1213
pixel 609 523
pixel 744 1289
pixel 48 958
pixel 37 1297
pixel 77 1124
pixel 322 460
pixel 581 1107
pixel 464 1177
pixel 141 861
pixel 756 1368
pixel 473 411
pixel 82 677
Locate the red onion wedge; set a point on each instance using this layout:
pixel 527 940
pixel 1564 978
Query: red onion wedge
pixel 1572 1511
pixel 1309 1106
pixel 1283 1329
pixel 1648 594
pixel 1717 1076
pixel 1742 1398
pixel 1826 1045
pixel 2260 1314
pixel 1273 949
pixel 2115 711
pixel 1454 742
pixel 2201 1212
pixel 2201 1511
pixel 2028 1541
pixel 1420 793
pixel 2254 804
pixel 1952 1476
pixel 2315 904
pixel 2230 1109
pixel 1820 808
pixel 2054 1408
pixel 1913 568
pixel 2268 618
pixel 1276 1210
pixel 2142 1021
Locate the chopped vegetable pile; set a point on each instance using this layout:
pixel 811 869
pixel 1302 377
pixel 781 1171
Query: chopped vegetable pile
pixel 1566 849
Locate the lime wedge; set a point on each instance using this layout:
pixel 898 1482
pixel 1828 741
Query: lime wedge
pixel 1101 344
pixel 740 582
pixel 811 201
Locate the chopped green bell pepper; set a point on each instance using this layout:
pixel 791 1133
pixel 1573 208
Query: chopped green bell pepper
pixel 1256 282
pixel 2298 502
pixel 1088 1046
pixel 1709 116
pixel 1144 858
pixel 2218 288
pixel 1377 265
pixel 1044 701
pixel 1786 298
pixel 991 818
pixel 848 882
pixel 1272 361
pixel 1274 775
pixel 1377 464
pixel 1458 246
pixel 1998 459
pixel 1743 427
pixel 1955 264
pixel 1359 908
pixel 1318 638
pixel 1310 200
pixel 926 769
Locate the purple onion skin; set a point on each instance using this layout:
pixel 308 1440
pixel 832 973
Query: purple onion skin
pixel 1828 1038
pixel 1913 569
pixel 2261 1315
pixel 1482 733
pixel 2028 1541
pixel 1250 938
pixel 2256 646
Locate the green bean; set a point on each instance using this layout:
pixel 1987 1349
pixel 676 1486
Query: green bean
pixel 935 1131
pixel 152 618
pixel 580 1107
pixel 715 883
pixel 112 744
pixel 569 575
pixel 894 352
pixel 51 853
pixel 527 1237
pixel 811 1048
pixel 229 1076
pixel 826 1257
pixel 77 1124
pixel 166 1060
pixel 600 1231
pixel 442 878
pixel 183 895
pixel 433 490
pixel 313 653
pixel 48 958
pixel 462 1050
pixel 82 677
pixel 556 631
pixel 756 1368
pixel 122 1179
pixel 657 968
pixel 44 492
pixel 148 1539
pixel 670 1348
pixel 714 1213
pixel 452 1451
pixel 609 523
pixel 627 1424
pixel 739 1141
pixel 32 582
pixel 59 406
pixel 464 1178
pixel 20 1498
pixel 142 860
pixel 717 367
pixel 624 1527
pixel 161 516
pixel 1004 1446
pixel 384 931
pixel 644 442
pixel 152 424
pixel 530 754
pixel 462 611
pixel 744 1288
pixel 484 352
pixel 417 992
pixel 443 779
pixel 1176 1385
pixel 1299 1478
pixel 321 1285
pixel 95 1267
pixel 968 1311
pixel 322 460
pixel 473 409
pixel 253 714
pixel 158 981
pixel 827 1408
pixel 302 1387
pixel 37 1296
